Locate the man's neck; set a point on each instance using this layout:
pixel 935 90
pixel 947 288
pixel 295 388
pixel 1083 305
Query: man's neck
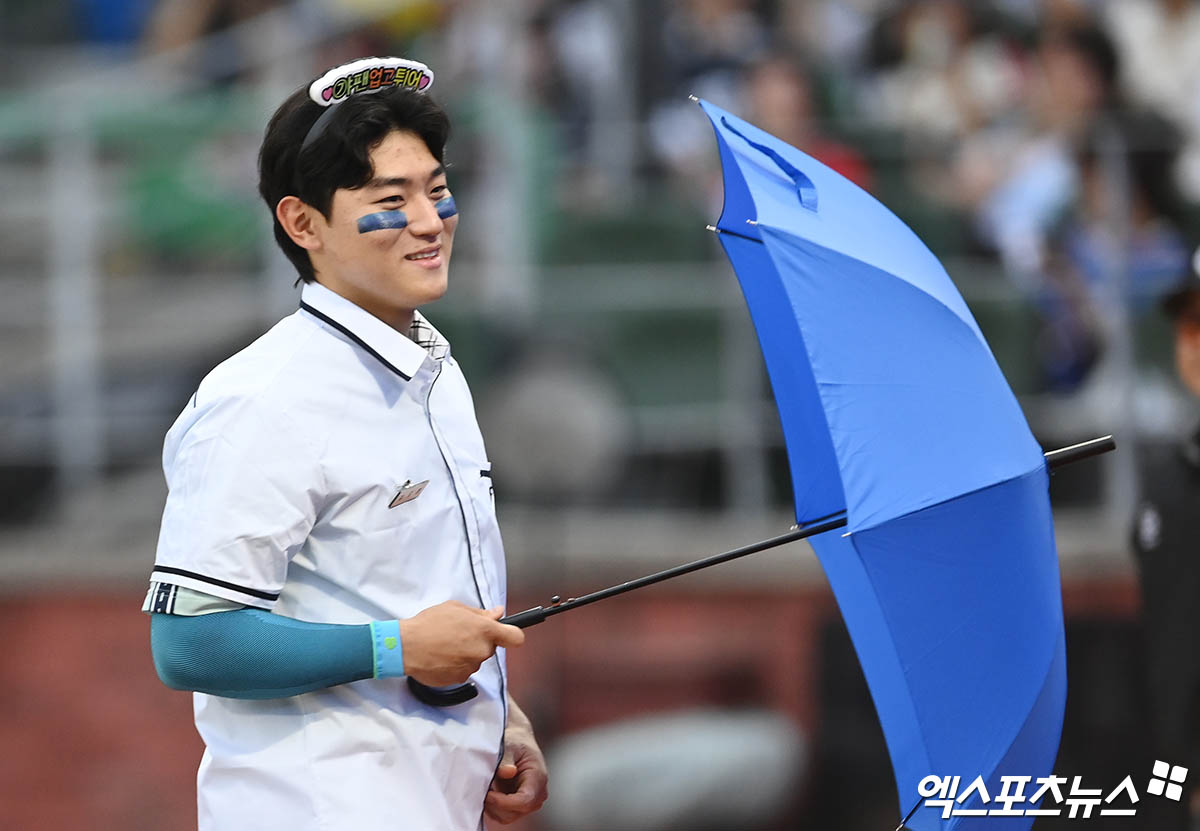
pixel 399 319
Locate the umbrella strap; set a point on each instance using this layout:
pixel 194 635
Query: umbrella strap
pixel 805 189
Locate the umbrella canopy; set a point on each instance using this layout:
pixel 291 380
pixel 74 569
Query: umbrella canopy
pixel 895 412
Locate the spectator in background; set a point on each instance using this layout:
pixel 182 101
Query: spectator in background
pixel 1165 529
pixel 1140 149
pixel 951 79
pixel 578 64
pixel 709 41
pixel 179 23
pixel 1118 246
pixel 1084 215
pixel 1019 193
pixel 780 99
pixel 940 72
pixel 1159 44
pixel 705 47
pixel 833 33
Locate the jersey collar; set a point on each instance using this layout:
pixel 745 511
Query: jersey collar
pixel 391 348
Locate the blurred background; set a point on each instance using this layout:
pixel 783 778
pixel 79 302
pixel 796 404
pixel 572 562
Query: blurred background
pixel 1048 153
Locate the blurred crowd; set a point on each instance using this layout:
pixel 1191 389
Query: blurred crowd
pixel 1062 138
pixel 1058 138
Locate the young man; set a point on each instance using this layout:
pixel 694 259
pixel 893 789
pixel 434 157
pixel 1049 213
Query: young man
pixel 329 551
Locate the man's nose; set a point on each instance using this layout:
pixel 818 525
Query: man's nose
pixel 423 218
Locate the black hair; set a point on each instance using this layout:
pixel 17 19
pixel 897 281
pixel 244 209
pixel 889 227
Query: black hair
pixel 1150 145
pixel 1096 48
pixel 339 157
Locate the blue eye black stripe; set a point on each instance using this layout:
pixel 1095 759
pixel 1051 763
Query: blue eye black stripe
pixel 395 220
pixel 382 221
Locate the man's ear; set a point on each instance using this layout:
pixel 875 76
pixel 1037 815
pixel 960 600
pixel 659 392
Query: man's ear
pixel 300 221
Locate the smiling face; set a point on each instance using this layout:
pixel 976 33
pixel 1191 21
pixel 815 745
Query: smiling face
pixel 388 272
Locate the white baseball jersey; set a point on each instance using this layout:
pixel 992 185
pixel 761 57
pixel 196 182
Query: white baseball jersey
pixel 333 471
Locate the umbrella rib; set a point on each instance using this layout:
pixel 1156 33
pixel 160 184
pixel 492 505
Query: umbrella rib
pixel 717 230
pixel 904 822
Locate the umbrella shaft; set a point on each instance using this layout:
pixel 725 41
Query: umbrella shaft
pixel 529 617
pixel 688 568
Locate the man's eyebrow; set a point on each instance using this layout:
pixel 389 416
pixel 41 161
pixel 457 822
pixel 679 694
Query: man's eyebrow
pixel 401 181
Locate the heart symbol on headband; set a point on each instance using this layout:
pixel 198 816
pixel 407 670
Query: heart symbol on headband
pixel 327 93
pixel 424 82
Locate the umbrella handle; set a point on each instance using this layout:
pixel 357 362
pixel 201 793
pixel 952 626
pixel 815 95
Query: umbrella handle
pixel 527 618
pixel 441 696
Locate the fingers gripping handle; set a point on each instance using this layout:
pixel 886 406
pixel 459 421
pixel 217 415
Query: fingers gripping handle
pixel 527 618
pixel 462 693
pixel 534 616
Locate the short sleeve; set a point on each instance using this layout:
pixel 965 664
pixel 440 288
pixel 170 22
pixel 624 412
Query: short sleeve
pixel 170 599
pixel 243 491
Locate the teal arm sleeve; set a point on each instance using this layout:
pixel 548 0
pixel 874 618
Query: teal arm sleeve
pixel 250 653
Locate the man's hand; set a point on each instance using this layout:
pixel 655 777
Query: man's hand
pixel 445 643
pixel 519 786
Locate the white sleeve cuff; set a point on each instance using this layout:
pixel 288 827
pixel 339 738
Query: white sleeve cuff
pixel 244 595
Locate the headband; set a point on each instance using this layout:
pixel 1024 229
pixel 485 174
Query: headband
pixel 359 76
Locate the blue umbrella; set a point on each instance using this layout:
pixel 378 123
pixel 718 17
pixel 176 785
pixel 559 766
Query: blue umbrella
pixel 897 418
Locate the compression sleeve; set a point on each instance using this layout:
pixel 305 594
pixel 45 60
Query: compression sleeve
pixel 251 653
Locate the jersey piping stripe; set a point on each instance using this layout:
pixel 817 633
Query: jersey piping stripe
pixel 354 338
pixel 214 581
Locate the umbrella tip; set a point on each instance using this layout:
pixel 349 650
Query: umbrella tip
pixel 693 98
pixel 712 228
